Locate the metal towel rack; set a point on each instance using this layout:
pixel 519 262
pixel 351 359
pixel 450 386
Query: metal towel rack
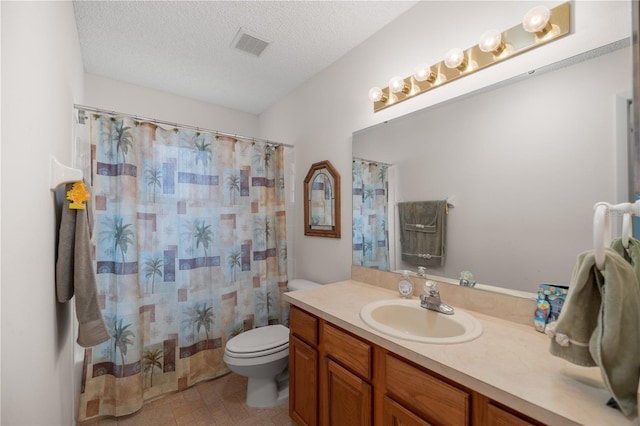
pixel 602 226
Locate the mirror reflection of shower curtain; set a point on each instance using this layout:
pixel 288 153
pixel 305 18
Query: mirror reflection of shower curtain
pixel 370 214
pixel 190 250
pixel 634 115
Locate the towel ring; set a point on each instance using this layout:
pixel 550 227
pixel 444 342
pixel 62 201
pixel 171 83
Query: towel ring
pixel 627 229
pixel 601 233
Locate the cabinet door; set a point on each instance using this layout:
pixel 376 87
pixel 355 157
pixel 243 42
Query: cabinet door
pixel 395 414
pixel 347 397
pixel 303 382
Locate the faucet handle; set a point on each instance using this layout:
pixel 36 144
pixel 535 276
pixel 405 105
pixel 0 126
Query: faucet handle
pixel 431 287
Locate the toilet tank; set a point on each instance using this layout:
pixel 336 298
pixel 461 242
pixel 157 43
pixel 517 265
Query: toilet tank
pixel 300 284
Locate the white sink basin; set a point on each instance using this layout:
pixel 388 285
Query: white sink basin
pixel 405 319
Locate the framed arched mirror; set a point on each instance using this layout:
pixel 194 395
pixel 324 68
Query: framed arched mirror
pixel 322 201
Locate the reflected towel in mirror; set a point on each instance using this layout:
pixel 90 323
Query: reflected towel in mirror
pixel 423 232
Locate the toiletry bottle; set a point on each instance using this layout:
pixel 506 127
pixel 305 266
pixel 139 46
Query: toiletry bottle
pixel 405 288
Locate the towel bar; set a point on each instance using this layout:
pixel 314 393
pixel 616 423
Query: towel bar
pixel 602 226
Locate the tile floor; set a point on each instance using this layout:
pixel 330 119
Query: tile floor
pixel 218 402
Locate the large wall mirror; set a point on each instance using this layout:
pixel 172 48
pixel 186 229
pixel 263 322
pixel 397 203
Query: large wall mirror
pixel 526 161
pixel 322 201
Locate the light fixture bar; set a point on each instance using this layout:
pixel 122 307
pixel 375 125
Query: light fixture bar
pixel 515 41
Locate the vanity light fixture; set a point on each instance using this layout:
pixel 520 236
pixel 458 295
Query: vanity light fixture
pixel 491 42
pixel 455 59
pixel 539 26
pixel 377 95
pixel 424 73
pixel 536 20
pixel 398 85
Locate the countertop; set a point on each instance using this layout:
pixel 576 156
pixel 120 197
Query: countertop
pixel 509 362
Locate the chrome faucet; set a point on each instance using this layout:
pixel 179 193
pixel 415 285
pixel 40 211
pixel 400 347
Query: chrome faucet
pixel 431 300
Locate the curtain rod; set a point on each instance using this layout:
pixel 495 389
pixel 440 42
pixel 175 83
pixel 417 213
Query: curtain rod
pixel 168 123
pixel 372 161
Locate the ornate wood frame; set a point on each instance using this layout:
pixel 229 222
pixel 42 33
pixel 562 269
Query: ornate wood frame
pixel 331 230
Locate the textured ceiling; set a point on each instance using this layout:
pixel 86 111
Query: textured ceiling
pixel 183 47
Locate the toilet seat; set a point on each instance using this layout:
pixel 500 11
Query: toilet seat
pixel 258 342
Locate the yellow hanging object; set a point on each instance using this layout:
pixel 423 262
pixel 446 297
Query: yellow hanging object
pixel 78 195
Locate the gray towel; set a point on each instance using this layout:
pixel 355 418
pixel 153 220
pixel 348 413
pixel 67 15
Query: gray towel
pixel 600 325
pixel 423 232
pixel 74 274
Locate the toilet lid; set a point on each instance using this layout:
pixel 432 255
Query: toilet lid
pixel 259 340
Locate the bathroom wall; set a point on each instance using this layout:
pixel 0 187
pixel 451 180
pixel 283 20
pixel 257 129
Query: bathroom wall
pixel 42 77
pixel 115 95
pixel 320 116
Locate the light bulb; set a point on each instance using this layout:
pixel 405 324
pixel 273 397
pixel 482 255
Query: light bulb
pixel 536 20
pixel 491 42
pixel 455 59
pixel 397 84
pixel 424 72
pixel 376 95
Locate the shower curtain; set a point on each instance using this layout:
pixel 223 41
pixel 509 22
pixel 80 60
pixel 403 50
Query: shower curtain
pixel 190 250
pixel 370 209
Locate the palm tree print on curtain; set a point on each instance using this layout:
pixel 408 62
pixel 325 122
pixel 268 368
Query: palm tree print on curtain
pixel 370 209
pixel 190 251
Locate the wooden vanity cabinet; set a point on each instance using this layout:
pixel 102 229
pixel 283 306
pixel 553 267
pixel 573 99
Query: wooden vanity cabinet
pixel 427 396
pixel 497 416
pixel 337 378
pixel 395 414
pixel 303 367
pixel 345 378
pixel 347 399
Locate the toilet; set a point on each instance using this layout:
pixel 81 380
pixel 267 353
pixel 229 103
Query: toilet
pixel 262 355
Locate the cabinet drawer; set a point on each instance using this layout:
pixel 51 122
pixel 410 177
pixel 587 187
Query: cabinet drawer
pixel 498 417
pixel 347 350
pixel 303 325
pixel 395 414
pixel 434 400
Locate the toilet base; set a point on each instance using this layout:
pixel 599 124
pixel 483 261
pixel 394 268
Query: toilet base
pixel 267 392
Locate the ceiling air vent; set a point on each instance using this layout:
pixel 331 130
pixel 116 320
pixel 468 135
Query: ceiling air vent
pixel 249 43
